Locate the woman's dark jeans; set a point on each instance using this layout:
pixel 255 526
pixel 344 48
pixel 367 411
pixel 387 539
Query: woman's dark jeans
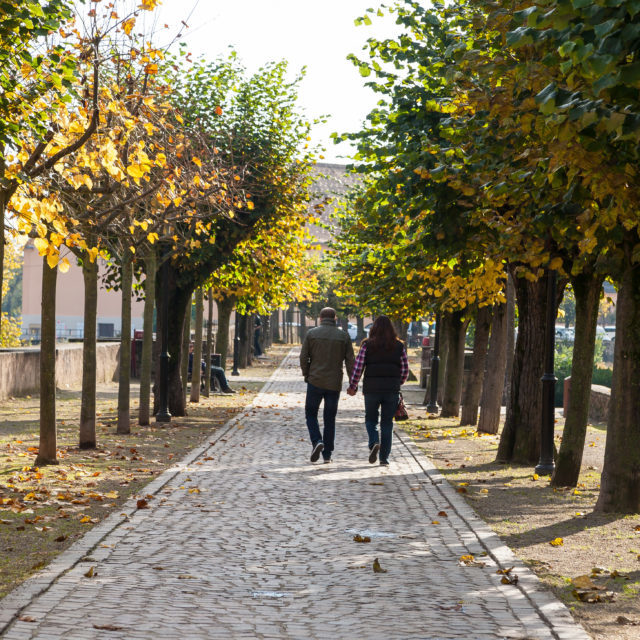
pixel 315 395
pixel 380 406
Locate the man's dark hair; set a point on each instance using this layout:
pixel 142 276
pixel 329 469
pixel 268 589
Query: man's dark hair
pixel 328 312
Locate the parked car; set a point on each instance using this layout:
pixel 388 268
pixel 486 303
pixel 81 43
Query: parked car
pixel 566 334
pixel 611 330
pixel 603 334
pixel 352 330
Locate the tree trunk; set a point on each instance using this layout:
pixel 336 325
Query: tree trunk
pixel 48 437
pixel 179 301
pixel 184 352
pixel 473 389
pixel 207 357
pixel 147 339
pixel 225 307
pixel 443 355
pixel 586 287
pixel 491 402
pixel 452 391
pixel 620 484
pixel 275 326
pixel 88 438
pixel 196 369
pixel 244 343
pixel 520 440
pixel 124 380
pixel 510 320
pixel 360 334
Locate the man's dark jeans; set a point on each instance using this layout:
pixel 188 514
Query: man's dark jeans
pixel 387 403
pixel 315 395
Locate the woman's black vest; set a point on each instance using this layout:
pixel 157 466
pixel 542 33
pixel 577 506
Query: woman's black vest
pixel 382 369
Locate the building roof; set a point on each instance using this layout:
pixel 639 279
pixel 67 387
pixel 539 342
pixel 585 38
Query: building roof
pixel 331 181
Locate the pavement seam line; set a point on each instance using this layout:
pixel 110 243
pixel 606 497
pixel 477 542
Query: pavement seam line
pixel 33 587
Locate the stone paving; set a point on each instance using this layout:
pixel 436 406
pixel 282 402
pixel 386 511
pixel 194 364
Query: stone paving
pixel 247 539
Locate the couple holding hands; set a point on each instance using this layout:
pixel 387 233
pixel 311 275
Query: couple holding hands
pixel 383 360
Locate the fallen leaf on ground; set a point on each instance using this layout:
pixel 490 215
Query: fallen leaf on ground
pixel 556 542
pixel 26 619
pixel 142 504
pixel 90 573
pixel 623 620
pixel 583 582
pixel 443 514
pixel 359 538
pixel 470 561
pixel 377 568
pixel 107 627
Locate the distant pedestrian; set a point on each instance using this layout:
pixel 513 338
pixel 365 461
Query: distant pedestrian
pixel 383 359
pixel 257 328
pixel 324 352
pixel 217 373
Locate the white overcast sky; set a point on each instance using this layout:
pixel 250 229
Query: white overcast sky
pixel 318 35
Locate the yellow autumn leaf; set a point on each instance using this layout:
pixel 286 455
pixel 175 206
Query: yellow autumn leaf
pixel 52 259
pixel 152 237
pixel 555 264
pixel 64 265
pixel 128 25
pixel 132 249
pixel 196 161
pixel 135 171
pixel 41 245
pixel 556 542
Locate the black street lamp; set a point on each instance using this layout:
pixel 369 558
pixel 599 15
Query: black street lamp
pixel 236 346
pixel 432 407
pixel 163 414
pixel 546 464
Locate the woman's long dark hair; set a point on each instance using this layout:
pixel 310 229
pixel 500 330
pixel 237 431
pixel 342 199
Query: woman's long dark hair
pixel 382 335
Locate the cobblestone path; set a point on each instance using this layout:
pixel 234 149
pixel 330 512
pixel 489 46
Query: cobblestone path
pixel 247 539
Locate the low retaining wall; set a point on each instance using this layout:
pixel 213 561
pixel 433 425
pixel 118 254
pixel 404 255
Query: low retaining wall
pixel 20 368
pixel 598 401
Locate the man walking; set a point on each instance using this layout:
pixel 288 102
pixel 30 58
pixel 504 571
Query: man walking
pixel 324 351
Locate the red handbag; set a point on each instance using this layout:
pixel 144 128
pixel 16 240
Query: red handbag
pixel 401 411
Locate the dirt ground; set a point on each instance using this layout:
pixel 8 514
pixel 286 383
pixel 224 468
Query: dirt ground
pixel 44 510
pixel 555 532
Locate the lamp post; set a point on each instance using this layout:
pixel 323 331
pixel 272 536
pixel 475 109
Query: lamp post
pixel 432 407
pixel 546 465
pixel 236 346
pixel 163 414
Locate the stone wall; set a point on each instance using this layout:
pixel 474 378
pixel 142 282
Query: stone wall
pixel 598 401
pixel 20 368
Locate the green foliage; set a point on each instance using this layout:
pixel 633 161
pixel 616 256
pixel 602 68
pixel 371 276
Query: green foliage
pixel 562 364
pixel 29 69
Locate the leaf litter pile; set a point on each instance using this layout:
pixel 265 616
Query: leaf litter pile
pixel 43 510
pixel 590 561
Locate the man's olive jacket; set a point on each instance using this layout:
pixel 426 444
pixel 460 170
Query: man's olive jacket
pixel 324 350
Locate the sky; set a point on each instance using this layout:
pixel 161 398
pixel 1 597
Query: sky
pixel 318 35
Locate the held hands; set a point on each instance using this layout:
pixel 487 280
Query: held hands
pixel 351 391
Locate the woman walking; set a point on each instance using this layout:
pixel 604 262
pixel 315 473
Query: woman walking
pixel 383 359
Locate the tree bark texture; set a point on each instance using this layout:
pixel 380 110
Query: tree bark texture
pixel 452 391
pixel 275 326
pixel 473 389
pixel 184 352
pixel 88 438
pixel 225 308
pixel 510 320
pixel 491 402
pixel 586 288
pixel 360 334
pixel 147 339
pixel 520 439
pixel 620 484
pixel 208 349
pixel 124 379
pixel 197 348
pixel 443 355
pixel 243 359
pixel 48 437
